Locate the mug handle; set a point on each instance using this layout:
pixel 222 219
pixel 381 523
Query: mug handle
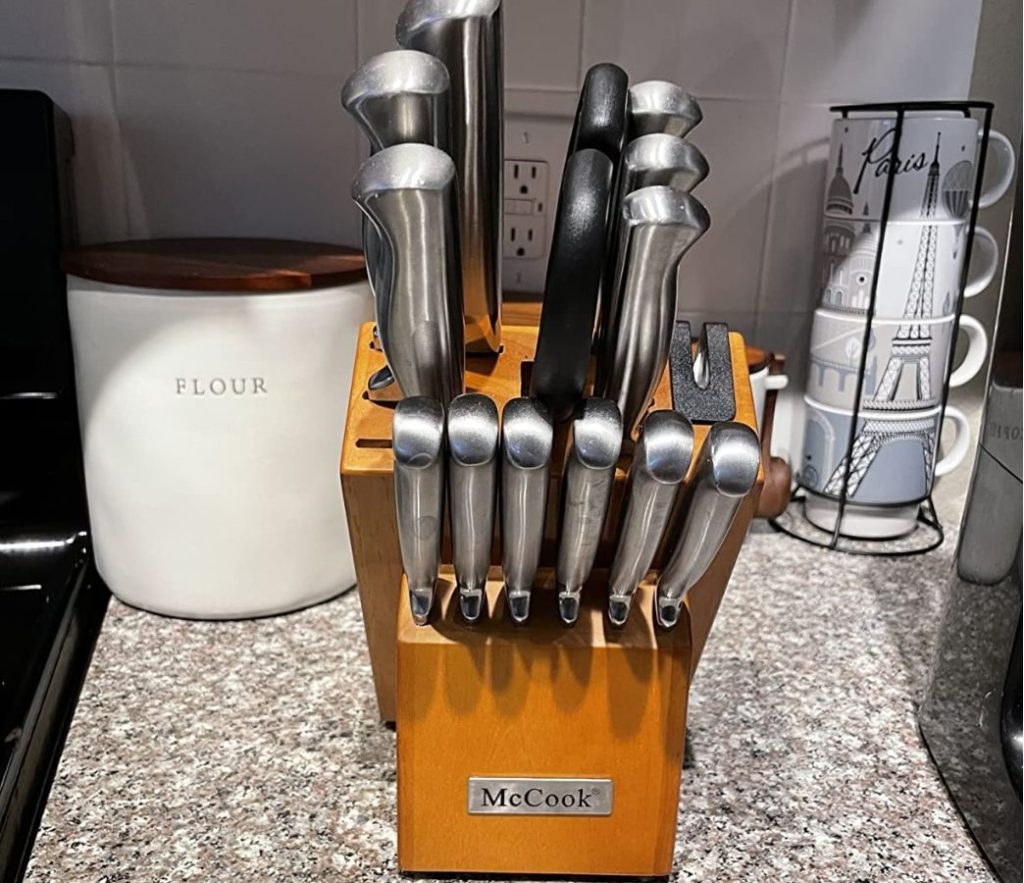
pixel 990 250
pixel 977 351
pixel 1003 146
pixel 955 456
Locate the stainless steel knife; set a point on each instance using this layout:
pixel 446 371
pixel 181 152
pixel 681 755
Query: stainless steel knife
pixel 660 106
pixel 526 442
pixel 472 494
pixel 661 460
pixel 398 97
pixel 417 433
pixel 408 192
pixel 726 473
pixel 658 225
pixel 661 159
pixel 467 36
pixel 587 482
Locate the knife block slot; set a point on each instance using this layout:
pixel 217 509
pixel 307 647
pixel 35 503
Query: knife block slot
pixel 542 702
pixel 368 488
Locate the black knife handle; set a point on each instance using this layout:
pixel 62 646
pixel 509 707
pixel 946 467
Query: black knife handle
pixel 602 112
pixel 571 288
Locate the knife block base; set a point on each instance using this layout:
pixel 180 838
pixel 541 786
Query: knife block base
pixel 544 701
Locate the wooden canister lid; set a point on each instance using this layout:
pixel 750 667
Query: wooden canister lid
pixel 241 265
pixel 757 358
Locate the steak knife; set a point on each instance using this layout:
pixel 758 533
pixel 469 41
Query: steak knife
pixel 526 442
pixel 586 490
pixel 661 460
pixel 417 433
pixel 467 36
pixel 408 192
pixel 658 225
pixel 472 494
pixel 567 319
pixel 726 472
pixel 661 106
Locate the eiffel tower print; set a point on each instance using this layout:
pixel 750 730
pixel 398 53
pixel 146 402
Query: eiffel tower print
pixel 874 436
pixel 911 347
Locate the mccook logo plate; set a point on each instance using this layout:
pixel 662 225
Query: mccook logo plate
pixel 540 797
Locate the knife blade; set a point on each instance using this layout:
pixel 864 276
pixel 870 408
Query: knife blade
pixel 601 114
pixel 408 192
pixel 397 97
pixel 587 482
pixel 467 36
pixel 726 472
pixel 526 442
pixel 417 433
pixel 472 495
pixel 661 460
pixel 578 246
pixel 661 106
pixel 658 226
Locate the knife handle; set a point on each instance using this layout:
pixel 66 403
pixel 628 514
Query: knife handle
pixel 726 472
pixel 472 494
pixel 602 112
pixel 526 442
pixel 417 433
pixel 661 460
pixel 573 279
pixel 589 475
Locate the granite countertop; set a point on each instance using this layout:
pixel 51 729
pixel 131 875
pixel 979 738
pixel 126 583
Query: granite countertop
pixel 251 750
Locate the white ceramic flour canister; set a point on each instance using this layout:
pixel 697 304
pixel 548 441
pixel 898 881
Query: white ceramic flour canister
pixel 213 380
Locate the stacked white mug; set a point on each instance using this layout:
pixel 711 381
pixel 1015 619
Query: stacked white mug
pixel 888 462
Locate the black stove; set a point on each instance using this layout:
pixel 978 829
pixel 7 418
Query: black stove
pixel 51 601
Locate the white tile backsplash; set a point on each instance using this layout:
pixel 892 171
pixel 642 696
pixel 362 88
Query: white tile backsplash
pixel 794 218
pixel 57 30
pixel 222 153
pixel 881 50
pixel 723 269
pixel 376 31
pixel 542 44
pixel 720 48
pixel 86 94
pixel 300 36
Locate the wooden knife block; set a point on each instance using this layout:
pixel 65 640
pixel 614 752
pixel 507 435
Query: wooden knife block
pixel 496 700
pixel 368 487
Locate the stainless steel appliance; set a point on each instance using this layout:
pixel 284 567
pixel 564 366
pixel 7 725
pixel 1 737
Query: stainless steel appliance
pixel 971 714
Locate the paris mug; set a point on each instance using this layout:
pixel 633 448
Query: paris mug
pixel 905 368
pixel 893 465
pixel 933 175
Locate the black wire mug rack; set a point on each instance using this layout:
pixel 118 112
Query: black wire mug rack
pixel 794 522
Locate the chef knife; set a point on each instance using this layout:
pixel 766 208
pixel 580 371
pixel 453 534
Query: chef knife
pixel 601 114
pixel 586 490
pixel 417 433
pixel 408 192
pixel 472 486
pixel 571 288
pixel 649 160
pixel 661 460
pixel 526 440
pixel 726 472
pixel 467 36
pixel 660 106
pixel 658 225
pixel 397 97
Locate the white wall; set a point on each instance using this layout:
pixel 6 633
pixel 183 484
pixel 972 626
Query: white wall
pixel 203 117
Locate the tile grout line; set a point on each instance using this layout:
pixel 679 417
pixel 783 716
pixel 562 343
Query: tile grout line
pixel 579 53
pixel 116 95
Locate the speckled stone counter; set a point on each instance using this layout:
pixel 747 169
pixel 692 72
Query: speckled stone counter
pixel 251 751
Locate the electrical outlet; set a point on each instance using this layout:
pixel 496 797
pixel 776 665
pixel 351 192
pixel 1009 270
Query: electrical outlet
pixel 523 237
pixel 535 147
pixel 526 181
